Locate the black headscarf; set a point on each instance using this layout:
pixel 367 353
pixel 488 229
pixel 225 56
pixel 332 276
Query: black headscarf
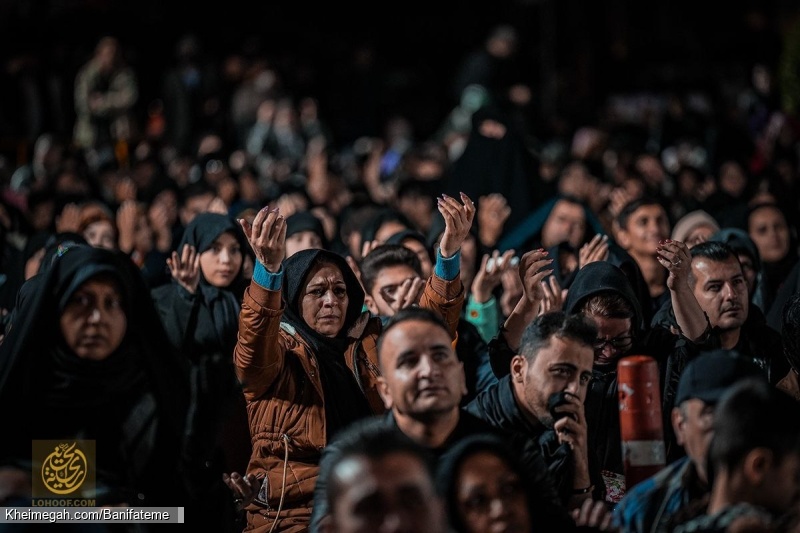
pixel 223 303
pixel 133 403
pixel 201 233
pixel 602 276
pixel 306 221
pixel 344 399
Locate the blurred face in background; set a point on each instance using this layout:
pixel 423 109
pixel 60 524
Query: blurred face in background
pixel 491 496
pixel 101 234
pixel 302 240
pixel 768 228
pixel 567 222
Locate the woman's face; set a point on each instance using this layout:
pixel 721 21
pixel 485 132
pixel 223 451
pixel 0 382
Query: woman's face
pixel 302 240
pixel 490 496
pixel 221 263
pixel 324 300
pixel 769 231
pixel 100 234
pixel 93 322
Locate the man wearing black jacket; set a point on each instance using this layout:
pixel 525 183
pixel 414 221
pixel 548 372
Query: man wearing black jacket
pixel 422 384
pixel 542 397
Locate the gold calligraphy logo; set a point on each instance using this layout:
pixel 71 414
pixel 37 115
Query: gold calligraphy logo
pixel 65 469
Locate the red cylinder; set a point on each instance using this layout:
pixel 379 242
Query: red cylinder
pixel 640 420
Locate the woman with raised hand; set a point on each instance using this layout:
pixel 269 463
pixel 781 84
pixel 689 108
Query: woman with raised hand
pixel 200 312
pixel 307 358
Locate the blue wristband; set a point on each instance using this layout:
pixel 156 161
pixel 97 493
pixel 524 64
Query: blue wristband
pixel 269 280
pixel 447 268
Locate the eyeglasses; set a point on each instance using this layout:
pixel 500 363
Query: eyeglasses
pixel 618 343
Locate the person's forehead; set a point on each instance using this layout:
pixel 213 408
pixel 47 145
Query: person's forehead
pixel 325 272
pixel 304 234
pixel 567 208
pixel 413 335
pixel 361 476
pixel 704 268
pixel 611 326
pixel 766 214
pixel 394 274
pixel 649 210
pixel 565 350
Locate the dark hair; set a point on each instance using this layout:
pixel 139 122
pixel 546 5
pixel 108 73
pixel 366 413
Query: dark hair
pixel 628 209
pixel 384 215
pixel 760 205
pixel 371 438
pixel 385 256
pixel 790 331
pixel 556 324
pixel 713 251
pixel 421 314
pixel 753 414
pixel 608 304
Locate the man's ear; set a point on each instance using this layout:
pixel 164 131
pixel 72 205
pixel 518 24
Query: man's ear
pixel 756 464
pixel 519 365
pixel 383 390
pixel 677 424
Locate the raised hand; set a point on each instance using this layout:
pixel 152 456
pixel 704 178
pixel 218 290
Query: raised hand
pixel 458 221
pixel 594 250
pixel 158 216
pixel 185 269
pixel 127 214
pixel 69 219
pixel 512 291
pixel 493 211
pixel 554 296
pixel 675 257
pixel 490 274
pixel 407 294
pixel 267 237
pixel 533 268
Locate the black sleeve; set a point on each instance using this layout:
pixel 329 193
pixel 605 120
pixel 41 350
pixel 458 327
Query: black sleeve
pixel 550 513
pixel 178 310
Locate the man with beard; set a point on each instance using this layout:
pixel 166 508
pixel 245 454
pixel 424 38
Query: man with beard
pixel 603 293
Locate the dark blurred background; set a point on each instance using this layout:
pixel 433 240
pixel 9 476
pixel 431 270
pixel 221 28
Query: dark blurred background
pixel 577 53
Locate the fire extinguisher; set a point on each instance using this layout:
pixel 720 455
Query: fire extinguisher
pixel 640 420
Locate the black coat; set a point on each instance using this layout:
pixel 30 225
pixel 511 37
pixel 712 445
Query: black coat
pixel 498 407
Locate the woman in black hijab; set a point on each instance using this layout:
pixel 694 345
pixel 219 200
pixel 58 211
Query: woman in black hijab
pixel 200 312
pixel 88 359
pixel 200 308
pixel 307 358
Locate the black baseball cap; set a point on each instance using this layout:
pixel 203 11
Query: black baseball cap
pixel 711 374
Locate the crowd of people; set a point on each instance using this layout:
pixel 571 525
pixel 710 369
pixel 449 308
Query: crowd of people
pixel 280 331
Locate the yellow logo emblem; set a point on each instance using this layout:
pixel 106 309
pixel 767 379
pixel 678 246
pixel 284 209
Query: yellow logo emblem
pixel 65 469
